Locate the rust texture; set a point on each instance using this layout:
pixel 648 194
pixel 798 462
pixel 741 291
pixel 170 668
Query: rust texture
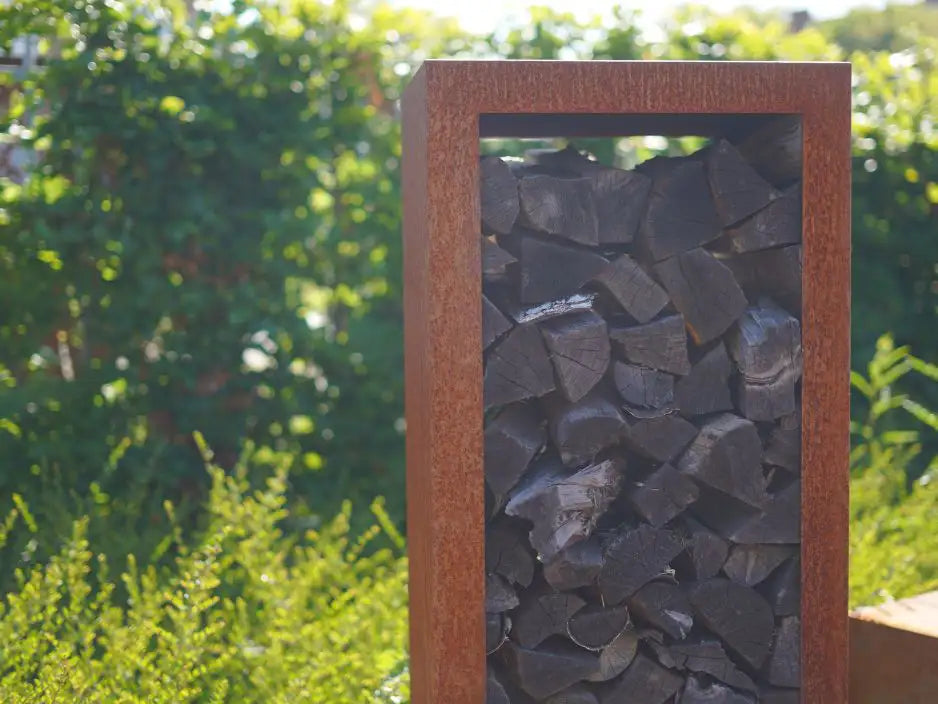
pixel 891 664
pixel 446 109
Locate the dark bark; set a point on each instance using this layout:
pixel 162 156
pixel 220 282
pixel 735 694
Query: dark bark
pixel 549 669
pixel 511 441
pixel 738 190
pixel 660 344
pixel 577 694
pixel 551 270
pixel 708 657
pixel 562 507
pixel 497 627
pixel 634 557
pixel 704 554
pixel 700 691
pixel 543 614
pixel 661 495
pixel 595 627
pixel 784 667
pixel 706 388
pixel 751 564
pixel 770 695
pixel 644 682
pixel 576 566
pixel 681 214
pixel 500 596
pixel 499 195
pixel 579 349
pixel 774 149
pixel 727 455
pixel 583 429
pixel 704 290
pixel 660 438
pixel 494 323
pixel 562 207
pixel 783 589
pixel 783 448
pixel 776 225
pixel 664 606
pixel 766 347
pixel 632 288
pixel 737 615
pixel 495 261
pixel 775 273
pixel 779 523
pixel 644 390
pixel 507 552
pixel 518 368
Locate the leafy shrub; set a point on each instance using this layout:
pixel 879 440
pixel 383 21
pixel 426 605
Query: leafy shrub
pixel 893 542
pixel 247 614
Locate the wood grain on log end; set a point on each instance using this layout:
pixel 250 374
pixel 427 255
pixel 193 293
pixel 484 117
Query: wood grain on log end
pixel 579 349
pixel 632 287
pixel 562 207
pixel 660 344
pixel 738 615
pixel 499 195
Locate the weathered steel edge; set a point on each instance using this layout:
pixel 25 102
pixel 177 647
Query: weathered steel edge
pixel 441 110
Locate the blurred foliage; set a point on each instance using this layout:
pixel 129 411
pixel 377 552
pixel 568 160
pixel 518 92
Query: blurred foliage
pixel 895 27
pixel 893 542
pixel 245 614
pixel 208 239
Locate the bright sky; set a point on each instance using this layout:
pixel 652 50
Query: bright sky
pixel 486 15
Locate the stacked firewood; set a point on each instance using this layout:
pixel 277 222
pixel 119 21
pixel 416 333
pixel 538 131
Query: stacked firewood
pixel 642 349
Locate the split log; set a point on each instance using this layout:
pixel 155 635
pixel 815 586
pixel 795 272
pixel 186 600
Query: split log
pixel 775 273
pixel 620 196
pixel 518 368
pixel 660 344
pixel 704 554
pixel 770 695
pixel 499 195
pixel 543 614
pixel 494 323
pixel 550 270
pixel 507 552
pixel 783 589
pixel 779 523
pixel 664 606
pixel 738 190
pixel 704 290
pixel 562 207
pixel 576 566
pixel 500 596
pixel 644 682
pixel 549 669
pixel 708 657
pixel 784 667
pixel 632 288
pixel 579 349
pixel 660 438
pixel 563 508
pixel 497 627
pixel 776 225
pixel 495 261
pixel 698 691
pixel 494 690
pixel 583 429
pixel 662 495
pixel 774 149
pixel 783 448
pixel 547 310
pixel 615 657
pixel 680 214
pixel 766 346
pixel 595 627
pixel 511 441
pixel 705 389
pixel 727 456
pixel 737 615
pixel 633 558
pixel 644 390
pixel 577 694
pixel 751 564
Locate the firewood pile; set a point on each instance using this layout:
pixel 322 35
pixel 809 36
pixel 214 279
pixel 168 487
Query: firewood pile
pixel 642 349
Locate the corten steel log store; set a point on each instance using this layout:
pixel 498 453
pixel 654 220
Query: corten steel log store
pixel 451 105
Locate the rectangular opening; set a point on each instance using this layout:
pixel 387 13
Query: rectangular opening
pixel 642 352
